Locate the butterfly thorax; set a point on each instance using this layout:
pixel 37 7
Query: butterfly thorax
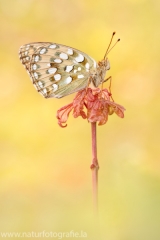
pixel 98 76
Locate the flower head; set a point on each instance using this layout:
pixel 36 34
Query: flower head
pixel 93 104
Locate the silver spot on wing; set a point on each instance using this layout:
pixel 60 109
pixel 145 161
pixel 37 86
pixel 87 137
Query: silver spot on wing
pixel 34 66
pixel 70 51
pixel 57 77
pixel 52 46
pixel 55 87
pixel 43 50
pixel 35 75
pixel 68 80
pixel 40 84
pixel 79 58
pixel 68 68
pixel 81 76
pixel 63 56
pixel 57 60
pixel 51 70
pixel 36 58
pixel 87 66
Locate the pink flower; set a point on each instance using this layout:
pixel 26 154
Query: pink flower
pixel 93 104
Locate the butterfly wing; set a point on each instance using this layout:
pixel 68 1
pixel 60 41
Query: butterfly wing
pixel 56 70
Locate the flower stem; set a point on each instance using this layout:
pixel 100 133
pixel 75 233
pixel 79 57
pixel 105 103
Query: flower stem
pixel 94 167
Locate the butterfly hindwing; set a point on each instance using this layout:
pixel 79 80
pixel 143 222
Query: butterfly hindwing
pixel 56 70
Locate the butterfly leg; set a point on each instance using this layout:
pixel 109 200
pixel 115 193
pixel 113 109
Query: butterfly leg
pixel 109 78
pixel 106 81
pixel 110 85
pixel 89 81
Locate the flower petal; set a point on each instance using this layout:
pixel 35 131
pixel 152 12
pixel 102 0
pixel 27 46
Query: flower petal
pixel 99 112
pixel 118 109
pixel 106 94
pixel 63 114
pixel 98 104
pixel 78 104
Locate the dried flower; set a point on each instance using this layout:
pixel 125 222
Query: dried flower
pixel 93 104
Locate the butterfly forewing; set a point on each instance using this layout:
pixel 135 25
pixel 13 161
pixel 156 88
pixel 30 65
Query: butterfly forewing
pixel 56 70
pixel 26 51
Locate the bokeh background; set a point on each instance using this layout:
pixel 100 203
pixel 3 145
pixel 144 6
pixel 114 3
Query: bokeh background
pixel 45 179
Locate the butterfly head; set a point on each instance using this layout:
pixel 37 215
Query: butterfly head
pixel 104 64
pixel 99 75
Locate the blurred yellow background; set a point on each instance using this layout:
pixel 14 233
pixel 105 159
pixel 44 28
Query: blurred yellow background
pixel 45 179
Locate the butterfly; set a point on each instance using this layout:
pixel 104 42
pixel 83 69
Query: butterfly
pixel 57 70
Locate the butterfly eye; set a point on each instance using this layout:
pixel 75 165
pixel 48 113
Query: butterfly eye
pixel 108 65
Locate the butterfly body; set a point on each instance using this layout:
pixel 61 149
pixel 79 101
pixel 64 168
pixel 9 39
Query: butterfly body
pixel 57 70
pixel 98 76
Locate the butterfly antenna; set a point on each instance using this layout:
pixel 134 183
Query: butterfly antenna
pixel 113 46
pixel 109 44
